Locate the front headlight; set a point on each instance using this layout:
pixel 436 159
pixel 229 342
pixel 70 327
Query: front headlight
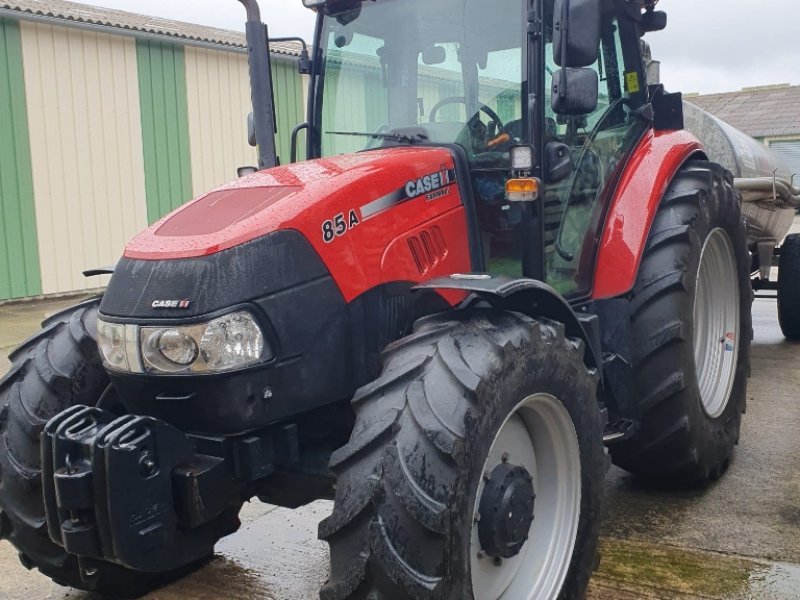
pixel 227 343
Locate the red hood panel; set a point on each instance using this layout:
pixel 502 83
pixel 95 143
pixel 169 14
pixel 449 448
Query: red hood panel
pixel 290 197
pixel 374 217
pixel 218 211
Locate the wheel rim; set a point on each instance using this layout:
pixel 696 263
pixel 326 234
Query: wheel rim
pixel 538 435
pixel 716 323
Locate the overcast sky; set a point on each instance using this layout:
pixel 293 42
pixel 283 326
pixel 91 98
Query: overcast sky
pixel 709 45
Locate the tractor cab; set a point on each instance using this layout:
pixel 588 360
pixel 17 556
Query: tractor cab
pixel 486 80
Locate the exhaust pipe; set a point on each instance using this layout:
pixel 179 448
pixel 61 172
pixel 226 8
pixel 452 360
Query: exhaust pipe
pixel 258 59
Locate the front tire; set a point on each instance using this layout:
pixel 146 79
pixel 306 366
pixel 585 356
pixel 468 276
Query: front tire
pixel 471 399
pixel 789 288
pixel 691 329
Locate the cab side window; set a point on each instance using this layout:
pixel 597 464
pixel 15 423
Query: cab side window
pixel 599 143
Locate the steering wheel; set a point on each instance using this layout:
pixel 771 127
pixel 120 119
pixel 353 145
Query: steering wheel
pixel 477 130
pixel 462 100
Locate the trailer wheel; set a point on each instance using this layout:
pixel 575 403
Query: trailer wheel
pixel 475 468
pixel 57 368
pixel 789 288
pixel 691 330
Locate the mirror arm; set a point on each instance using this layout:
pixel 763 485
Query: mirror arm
pixel 305 61
pixel 562 91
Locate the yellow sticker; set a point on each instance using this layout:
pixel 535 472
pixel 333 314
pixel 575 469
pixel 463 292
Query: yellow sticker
pixel 632 82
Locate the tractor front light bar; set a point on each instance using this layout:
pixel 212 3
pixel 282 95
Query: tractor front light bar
pixel 224 344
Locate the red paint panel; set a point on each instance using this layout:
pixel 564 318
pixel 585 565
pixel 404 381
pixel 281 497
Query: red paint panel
pixel 647 176
pixel 218 211
pixel 321 190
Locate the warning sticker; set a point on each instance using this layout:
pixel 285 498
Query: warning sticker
pixel 632 82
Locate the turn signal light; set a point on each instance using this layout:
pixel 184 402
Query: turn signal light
pixel 525 189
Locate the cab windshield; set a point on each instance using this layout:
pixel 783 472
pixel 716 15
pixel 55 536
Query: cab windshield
pixel 449 72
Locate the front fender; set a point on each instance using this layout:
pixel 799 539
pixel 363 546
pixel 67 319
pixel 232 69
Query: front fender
pixel 531 297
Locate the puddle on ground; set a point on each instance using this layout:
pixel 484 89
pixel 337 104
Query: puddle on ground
pixel 778 581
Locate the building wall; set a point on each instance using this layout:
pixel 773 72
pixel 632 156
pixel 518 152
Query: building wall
pixel 82 94
pixel 788 148
pixel 103 133
pixel 19 251
pixel 165 126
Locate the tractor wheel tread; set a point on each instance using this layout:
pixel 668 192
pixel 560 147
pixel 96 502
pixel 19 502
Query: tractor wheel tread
pixel 397 501
pixel 676 440
pixel 789 288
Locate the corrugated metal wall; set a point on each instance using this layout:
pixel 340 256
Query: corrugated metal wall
pixel 82 95
pixel 218 87
pixel 19 253
pixel 218 94
pixel 165 126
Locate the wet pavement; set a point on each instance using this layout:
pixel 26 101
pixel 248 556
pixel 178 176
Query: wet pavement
pixel 736 540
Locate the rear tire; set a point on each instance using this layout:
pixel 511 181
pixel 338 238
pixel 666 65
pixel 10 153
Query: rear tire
pixel 789 288
pixel 691 377
pixel 57 368
pixel 409 480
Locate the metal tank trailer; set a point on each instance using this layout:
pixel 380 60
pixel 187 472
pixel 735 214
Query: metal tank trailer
pixel 770 199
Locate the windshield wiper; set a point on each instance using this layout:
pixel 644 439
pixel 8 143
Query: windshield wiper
pixel 400 138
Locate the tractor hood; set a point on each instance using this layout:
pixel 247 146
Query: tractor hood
pixel 307 197
pixel 366 219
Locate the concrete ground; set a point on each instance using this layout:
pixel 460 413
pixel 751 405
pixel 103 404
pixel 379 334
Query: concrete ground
pixel 737 540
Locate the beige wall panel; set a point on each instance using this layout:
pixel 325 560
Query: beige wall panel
pixel 82 93
pixel 218 90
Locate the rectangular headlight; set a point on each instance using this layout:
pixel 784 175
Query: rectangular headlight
pixel 227 343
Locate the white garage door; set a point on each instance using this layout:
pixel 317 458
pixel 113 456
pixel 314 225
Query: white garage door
pixel 790 152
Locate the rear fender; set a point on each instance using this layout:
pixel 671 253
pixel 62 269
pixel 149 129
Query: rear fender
pixel 644 182
pixel 530 297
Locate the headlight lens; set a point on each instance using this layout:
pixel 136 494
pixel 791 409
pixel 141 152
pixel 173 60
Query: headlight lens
pixel 231 341
pixel 111 341
pixel 227 343
pixel 170 350
pixel 118 346
pixel 224 344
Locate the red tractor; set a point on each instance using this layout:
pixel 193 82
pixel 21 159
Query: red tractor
pixel 503 257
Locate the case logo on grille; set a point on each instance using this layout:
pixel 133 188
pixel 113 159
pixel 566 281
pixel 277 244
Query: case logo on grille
pixel 183 304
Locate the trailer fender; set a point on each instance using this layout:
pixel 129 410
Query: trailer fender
pixel 530 297
pixel 645 180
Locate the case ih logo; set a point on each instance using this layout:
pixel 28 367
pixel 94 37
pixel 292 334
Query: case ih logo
pixel 171 304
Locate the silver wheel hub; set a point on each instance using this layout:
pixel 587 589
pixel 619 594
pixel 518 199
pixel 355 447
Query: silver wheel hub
pixel 716 322
pixel 531 496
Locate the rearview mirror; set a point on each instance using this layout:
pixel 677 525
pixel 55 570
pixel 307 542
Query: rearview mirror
pixel 434 55
pixel 575 91
pixel 653 21
pixel 576 32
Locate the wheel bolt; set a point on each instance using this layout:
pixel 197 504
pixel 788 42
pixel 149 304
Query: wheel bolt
pixel 481 554
pixel 505 457
pixel 498 561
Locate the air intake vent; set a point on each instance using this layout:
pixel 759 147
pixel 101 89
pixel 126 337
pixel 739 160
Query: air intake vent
pixel 428 249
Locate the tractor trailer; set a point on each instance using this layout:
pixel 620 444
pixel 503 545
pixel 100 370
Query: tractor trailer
pixel 506 261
